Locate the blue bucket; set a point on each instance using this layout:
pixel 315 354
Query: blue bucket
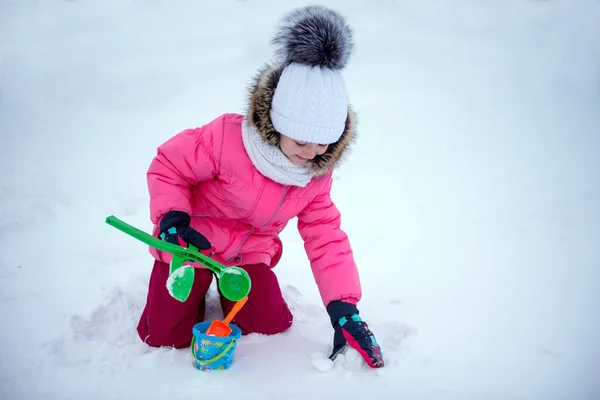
pixel 213 352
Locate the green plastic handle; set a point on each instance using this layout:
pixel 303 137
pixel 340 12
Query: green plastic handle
pixel 176 250
pixel 234 282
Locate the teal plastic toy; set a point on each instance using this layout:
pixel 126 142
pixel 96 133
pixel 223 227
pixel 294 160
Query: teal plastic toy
pixel 234 282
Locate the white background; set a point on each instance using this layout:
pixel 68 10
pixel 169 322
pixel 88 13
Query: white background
pixel 472 198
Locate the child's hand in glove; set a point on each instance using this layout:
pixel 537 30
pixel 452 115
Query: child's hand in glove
pixel 352 330
pixel 175 228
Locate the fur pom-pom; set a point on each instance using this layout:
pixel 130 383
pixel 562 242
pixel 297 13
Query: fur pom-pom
pixel 314 36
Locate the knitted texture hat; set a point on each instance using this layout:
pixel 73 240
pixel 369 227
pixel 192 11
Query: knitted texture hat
pixel 310 102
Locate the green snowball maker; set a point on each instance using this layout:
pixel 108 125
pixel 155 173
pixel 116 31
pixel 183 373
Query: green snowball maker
pixel 234 282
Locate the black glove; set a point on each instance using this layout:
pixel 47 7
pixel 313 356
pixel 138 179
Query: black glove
pixel 353 331
pixel 175 228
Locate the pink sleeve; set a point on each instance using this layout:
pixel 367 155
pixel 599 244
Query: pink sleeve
pixel 328 249
pixel 181 162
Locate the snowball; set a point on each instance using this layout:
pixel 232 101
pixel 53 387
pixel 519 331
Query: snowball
pixel 323 364
pixel 178 273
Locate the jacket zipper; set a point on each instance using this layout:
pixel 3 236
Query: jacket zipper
pixel 278 207
pixel 268 222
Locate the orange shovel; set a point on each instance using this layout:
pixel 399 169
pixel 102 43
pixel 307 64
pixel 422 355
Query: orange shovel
pixel 221 328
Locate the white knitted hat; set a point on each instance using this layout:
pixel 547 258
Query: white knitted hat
pixel 310 102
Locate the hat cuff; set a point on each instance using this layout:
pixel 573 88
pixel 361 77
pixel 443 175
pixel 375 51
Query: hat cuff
pixel 303 132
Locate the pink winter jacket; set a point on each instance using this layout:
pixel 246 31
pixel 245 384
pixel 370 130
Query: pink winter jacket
pixel 207 173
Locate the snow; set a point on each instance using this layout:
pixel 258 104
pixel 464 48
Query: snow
pixel 472 198
pixel 232 271
pixel 347 361
pixel 178 273
pixel 322 363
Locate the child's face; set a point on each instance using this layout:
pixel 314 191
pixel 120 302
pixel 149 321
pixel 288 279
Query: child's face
pixel 299 153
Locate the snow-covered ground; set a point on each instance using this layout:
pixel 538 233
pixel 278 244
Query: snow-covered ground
pixel 472 198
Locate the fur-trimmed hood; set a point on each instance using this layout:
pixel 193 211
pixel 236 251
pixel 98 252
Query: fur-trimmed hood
pixel 261 95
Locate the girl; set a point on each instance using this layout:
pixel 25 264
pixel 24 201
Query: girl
pixel 231 186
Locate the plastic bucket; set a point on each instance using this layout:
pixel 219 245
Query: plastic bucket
pixel 213 352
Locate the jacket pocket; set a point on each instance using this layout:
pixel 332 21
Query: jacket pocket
pixel 278 253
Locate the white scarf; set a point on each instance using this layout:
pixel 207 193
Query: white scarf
pixel 270 160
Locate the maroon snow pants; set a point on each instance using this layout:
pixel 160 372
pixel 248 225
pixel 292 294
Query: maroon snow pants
pixel 169 322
